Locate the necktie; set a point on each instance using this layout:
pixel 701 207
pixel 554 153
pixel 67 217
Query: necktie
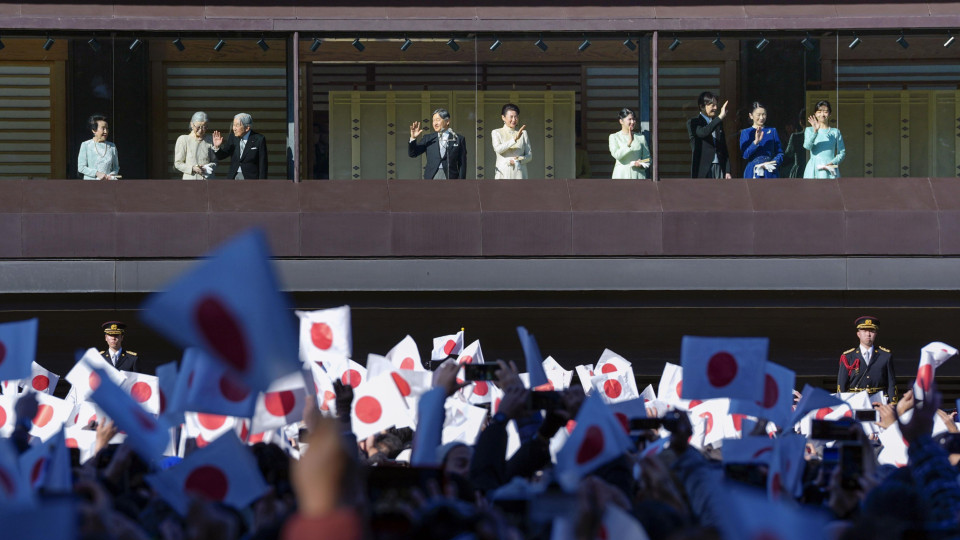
pixel 243 144
pixel 114 357
pixel 866 356
pixel 443 144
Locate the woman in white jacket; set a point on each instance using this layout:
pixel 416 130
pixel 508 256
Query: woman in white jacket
pixel 511 145
pixel 629 149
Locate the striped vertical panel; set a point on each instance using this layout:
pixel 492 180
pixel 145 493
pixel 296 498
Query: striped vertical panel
pixel 25 122
pixel 680 84
pixel 222 91
pixel 479 136
pixel 391 135
pixel 904 133
pixel 609 89
pixel 548 138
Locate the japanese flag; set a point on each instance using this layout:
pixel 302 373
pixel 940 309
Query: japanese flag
pixel 471 354
pixel 462 422
pixel 445 346
pixel 412 385
pixel 225 471
pixel 230 305
pixel 478 392
pixel 84 415
pixel 748 450
pixel 611 362
pixel 282 404
pixel 353 374
pixel 323 386
pixel 777 403
pixel 709 422
pixel 83 378
pixel 746 513
pixel 378 365
pixel 10 387
pixel 405 355
pixel 597 439
pixel 585 373
pixel 144 389
pixel 7 416
pixel 148 436
pixel 206 428
pixel 377 405
pixel 14 485
pixel 670 389
pixel 932 356
pixel 723 367
pixel 166 383
pixel 52 413
pixel 18 349
pixel 615 386
pixel 47 465
pixel 534 360
pixel 625 411
pixel 41 379
pixel 812 399
pixel 894 446
pixel 84 440
pixel 324 332
pixel 619 524
pixel 213 388
pixel 784 478
pixel 559 378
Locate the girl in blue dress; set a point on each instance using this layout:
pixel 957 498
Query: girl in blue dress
pixel 760 146
pixel 824 143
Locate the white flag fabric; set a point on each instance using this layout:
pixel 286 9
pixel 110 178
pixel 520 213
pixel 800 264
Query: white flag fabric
pixel 213 388
pixel 777 403
pixel 377 405
pixel 462 422
pixel 323 386
pixel 144 389
pixel 748 450
pixel 277 409
pixel 611 362
pixel 353 375
pixel 585 373
pixel 785 475
pixel 14 485
pixel 618 524
pixel 82 377
pixel 615 386
pixel 324 332
pixel 42 379
pixel 405 355
pixel 8 417
pixel 894 446
pixel 147 435
pixel 597 439
pixel 445 346
pixel 723 367
pixel 225 471
pixel 471 354
pixel 534 360
pixel 84 440
pixel 709 422
pixel 229 304
pixel 625 411
pixel 47 465
pixel 378 365
pixel 18 349
pixel 812 399
pixel 52 413
pixel 932 356
pixel 206 428
pixel 559 378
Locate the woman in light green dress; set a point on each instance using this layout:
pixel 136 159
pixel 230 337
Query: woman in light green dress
pixel 629 149
pixel 824 143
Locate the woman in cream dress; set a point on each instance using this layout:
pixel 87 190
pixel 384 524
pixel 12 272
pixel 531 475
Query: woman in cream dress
pixel 193 155
pixel 98 156
pixel 511 145
pixel 629 149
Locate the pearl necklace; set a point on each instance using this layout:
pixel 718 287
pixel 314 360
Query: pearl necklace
pixel 97 149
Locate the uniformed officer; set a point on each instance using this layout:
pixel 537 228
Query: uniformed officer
pixel 119 357
pixel 867 367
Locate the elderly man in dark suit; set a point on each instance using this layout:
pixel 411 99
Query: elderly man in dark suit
pixel 446 150
pixel 710 156
pixel 868 367
pixel 118 357
pixel 246 149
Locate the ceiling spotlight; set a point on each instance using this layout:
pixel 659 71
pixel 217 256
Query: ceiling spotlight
pixel 263 44
pixel 719 44
pixel 902 41
pixel 136 44
pixel 762 44
pixel 315 45
pixel 676 43
pixel 94 44
pixel 48 44
pixel 178 43
pixel 808 43
pixel 496 43
pixel 540 44
pixel 949 40
pixel 406 43
pixel 357 45
pixel 219 45
pixel 628 43
pixel 853 44
pixel 583 46
pixel 453 45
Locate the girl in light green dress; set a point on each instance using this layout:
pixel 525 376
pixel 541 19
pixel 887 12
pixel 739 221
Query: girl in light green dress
pixel 824 143
pixel 629 149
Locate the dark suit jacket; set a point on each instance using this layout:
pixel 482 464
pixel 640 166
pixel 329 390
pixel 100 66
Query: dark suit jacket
pixel 126 362
pixel 253 162
pixel 701 142
pixel 454 162
pixel 879 374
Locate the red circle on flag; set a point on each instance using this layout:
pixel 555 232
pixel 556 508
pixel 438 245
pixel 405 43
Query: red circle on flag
pixel 280 403
pixel 211 421
pixel 738 421
pixel 327 396
pixel 496 405
pixel 481 388
pixel 448 346
pixel 41 383
pixel 145 421
pixel 201 442
pixel 3 416
pixel 465 360
pixel 257 438
pixel 7 482
pixel 680 389
pixel 571 424
pixel 141 392
pixel 624 421
pixel 822 413
pixel 406 363
pixel 591 446
pixel 612 388
pixel 207 481
pixel 695 403
pixel 608 368
pixel 709 418
pixel 402 384
pixel 222 331
pixel 44 415
pixel 352 378
pixel 72 443
pixel 321 335
pixel 770 392
pixel 925 377
pixel 3 352
pixel 721 369
pixel 93 381
pixel 36 470
pixel 368 409
pixel 232 389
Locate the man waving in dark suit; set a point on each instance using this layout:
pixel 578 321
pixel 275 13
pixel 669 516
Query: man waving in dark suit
pixel 118 357
pixel 707 139
pixel 446 150
pixel 246 148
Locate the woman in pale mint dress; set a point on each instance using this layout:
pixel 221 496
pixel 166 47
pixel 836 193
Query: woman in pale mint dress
pixel 629 149
pixel 824 143
pixel 98 157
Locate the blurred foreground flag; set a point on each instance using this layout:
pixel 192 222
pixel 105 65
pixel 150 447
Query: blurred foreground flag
pixel 445 346
pixel 531 352
pixel 749 514
pixel 225 471
pixel 18 349
pixel 597 439
pixel 723 367
pixel 324 332
pixel 405 355
pixel 777 403
pixel 148 436
pixel 230 305
pixel 932 356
